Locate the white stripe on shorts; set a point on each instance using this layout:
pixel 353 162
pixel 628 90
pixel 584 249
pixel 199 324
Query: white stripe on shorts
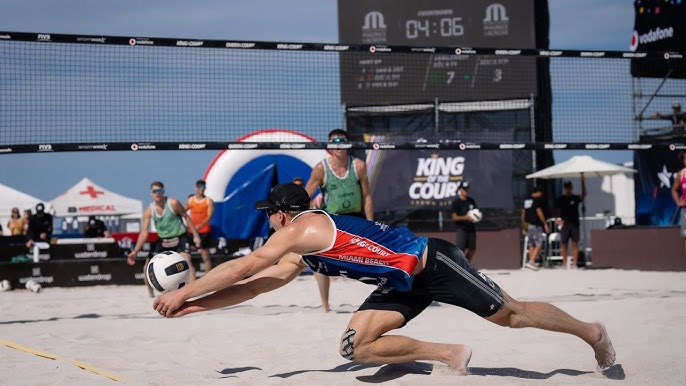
pixel 467 275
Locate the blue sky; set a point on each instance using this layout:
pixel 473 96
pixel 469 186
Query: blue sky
pixel 574 24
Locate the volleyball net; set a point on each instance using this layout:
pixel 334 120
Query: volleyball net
pixel 91 93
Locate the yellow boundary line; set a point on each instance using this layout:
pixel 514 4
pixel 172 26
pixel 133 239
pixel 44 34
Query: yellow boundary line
pixel 82 365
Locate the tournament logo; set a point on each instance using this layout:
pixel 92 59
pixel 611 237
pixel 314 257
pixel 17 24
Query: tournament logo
pixel 436 180
pixel 496 22
pixel 374 28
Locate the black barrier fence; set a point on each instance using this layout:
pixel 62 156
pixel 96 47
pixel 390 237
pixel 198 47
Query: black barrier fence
pixel 73 273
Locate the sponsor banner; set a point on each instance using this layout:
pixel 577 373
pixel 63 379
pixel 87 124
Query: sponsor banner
pixel 71 273
pixel 652 184
pixel 659 26
pixel 429 179
pixel 18 253
pixel 400 145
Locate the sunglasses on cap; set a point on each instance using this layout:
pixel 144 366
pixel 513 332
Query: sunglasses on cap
pixel 157 191
pixel 202 186
pixel 338 140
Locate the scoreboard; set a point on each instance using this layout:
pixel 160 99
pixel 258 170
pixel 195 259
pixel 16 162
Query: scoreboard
pixel 378 78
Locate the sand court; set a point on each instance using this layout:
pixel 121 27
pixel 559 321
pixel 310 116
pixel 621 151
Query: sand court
pixel 111 334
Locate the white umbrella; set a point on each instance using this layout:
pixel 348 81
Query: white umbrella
pixel 575 166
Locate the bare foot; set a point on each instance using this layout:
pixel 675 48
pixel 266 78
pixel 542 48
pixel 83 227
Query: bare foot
pixel 459 357
pixel 604 352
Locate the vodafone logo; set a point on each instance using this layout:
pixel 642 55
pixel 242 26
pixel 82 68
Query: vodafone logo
pixel 132 41
pixel 634 41
pixel 134 146
pixel 372 49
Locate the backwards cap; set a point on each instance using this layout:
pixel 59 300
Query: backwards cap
pixel 286 197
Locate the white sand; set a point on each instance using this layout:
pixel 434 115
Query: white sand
pixel 283 337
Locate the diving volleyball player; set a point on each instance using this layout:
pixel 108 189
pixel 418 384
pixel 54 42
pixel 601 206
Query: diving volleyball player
pixel 410 272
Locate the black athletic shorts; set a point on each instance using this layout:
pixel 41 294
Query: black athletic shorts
pixel 465 239
pixel 180 243
pixel 205 240
pixel 569 231
pixel 447 278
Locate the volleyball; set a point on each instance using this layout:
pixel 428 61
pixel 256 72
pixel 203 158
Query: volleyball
pixel 475 214
pixel 167 271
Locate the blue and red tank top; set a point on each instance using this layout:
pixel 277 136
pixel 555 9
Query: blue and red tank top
pixel 368 251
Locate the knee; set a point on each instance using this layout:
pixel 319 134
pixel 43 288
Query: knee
pixel 347 346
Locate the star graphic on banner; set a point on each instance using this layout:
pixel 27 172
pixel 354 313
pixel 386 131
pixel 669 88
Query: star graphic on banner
pixel 664 176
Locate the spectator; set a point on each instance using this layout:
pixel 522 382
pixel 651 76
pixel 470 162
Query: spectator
pixel 678 118
pixel 201 209
pixel 26 215
pixel 466 231
pixel 95 228
pixel 168 215
pixel 567 208
pixel 343 182
pixel 680 184
pixel 533 225
pixel 15 225
pixel 39 226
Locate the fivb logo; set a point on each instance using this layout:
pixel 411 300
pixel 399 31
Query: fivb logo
pixel 496 22
pixel 374 28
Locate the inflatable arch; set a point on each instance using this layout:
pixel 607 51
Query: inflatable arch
pixel 237 178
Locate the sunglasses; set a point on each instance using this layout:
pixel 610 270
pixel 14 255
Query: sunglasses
pixel 201 186
pixel 338 140
pixel 157 191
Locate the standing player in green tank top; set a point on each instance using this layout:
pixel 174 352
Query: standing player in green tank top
pixel 168 216
pixel 345 190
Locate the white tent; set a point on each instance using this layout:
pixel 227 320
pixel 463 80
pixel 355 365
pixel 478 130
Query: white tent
pixel 87 198
pixel 10 198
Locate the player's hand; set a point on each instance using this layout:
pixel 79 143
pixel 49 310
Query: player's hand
pixel 131 258
pixel 166 304
pixel 196 241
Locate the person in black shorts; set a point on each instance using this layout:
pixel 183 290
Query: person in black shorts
pixel 409 271
pixel 567 207
pixel 534 225
pixel 466 231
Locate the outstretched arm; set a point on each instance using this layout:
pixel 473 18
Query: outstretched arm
pixel 270 279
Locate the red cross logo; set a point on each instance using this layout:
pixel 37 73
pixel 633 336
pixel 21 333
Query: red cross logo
pixel 92 192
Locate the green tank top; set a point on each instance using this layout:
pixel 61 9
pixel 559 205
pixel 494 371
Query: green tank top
pixel 169 224
pixel 342 195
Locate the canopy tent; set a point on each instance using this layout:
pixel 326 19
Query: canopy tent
pixel 87 198
pixel 580 164
pixel 11 198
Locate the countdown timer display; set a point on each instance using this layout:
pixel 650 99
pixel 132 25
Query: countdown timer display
pixel 374 79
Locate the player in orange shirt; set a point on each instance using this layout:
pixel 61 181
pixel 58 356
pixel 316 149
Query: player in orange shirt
pixel 201 209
